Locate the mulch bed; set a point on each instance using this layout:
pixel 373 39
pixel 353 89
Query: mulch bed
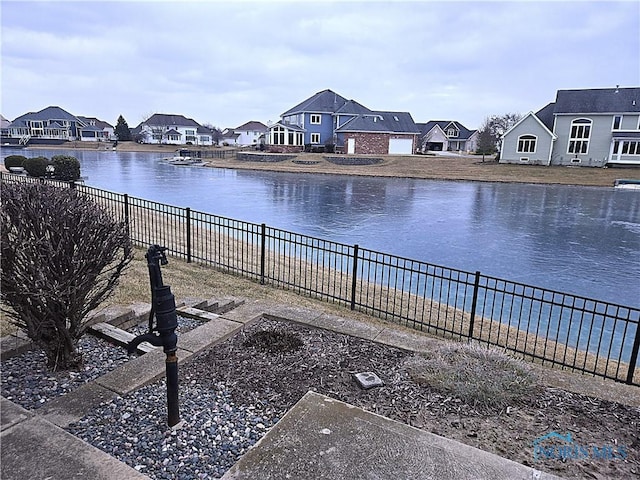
pixel 277 362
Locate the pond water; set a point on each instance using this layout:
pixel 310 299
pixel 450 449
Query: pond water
pixel 579 240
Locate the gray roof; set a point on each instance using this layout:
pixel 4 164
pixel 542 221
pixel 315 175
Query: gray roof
pixel 601 100
pixel 326 101
pixel 97 122
pixel 463 132
pixel 49 113
pixel 352 107
pixel 545 115
pixel 253 125
pixel 391 122
pixel 167 120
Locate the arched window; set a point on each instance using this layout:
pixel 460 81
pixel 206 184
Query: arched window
pixel 579 136
pixel 527 143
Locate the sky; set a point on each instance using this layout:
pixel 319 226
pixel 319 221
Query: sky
pixel 227 63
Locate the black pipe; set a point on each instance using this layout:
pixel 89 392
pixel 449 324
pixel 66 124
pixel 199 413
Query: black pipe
pixel 173 410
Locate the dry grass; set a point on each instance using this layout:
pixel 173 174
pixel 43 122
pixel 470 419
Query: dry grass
pixel 488 379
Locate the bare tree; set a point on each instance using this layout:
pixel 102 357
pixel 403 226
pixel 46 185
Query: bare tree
pixel 62 256
pixel 499 124
pixel 216 133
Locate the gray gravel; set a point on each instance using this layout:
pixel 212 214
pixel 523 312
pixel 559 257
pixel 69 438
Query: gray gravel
pixel 214 432
pixel 212 436
pixel 27 382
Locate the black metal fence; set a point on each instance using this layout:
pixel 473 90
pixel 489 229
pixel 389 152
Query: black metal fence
pixel 551 327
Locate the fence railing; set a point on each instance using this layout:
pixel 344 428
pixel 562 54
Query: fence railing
pixel 548 326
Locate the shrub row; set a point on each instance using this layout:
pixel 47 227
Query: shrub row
pixel 63 167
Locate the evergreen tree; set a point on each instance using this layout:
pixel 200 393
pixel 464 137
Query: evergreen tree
pixel 122 130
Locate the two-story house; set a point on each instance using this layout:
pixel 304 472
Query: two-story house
pixel 446 135
pixel 594 128
pixel 329 120
pixel 250 133
pixel 162 128
pixel 96 130
pixel 49 124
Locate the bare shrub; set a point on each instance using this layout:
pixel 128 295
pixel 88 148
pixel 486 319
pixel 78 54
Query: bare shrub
pixel 62 256
pixel 486 378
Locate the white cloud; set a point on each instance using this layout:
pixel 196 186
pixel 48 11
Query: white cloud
pixel 230 62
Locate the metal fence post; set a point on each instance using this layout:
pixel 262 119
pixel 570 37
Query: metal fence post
pixel 263 248
pixel 354 275
pixel 126 214
pixel 474 303
pixel 634 356
pixel 188 235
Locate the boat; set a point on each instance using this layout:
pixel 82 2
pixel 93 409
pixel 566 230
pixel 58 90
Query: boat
pixel 627 183
pixel 189 161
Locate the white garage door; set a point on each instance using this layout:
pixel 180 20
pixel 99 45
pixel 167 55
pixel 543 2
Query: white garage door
pixel 400 146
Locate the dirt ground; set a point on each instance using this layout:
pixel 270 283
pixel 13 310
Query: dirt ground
pixel 438 167
pixel 272 364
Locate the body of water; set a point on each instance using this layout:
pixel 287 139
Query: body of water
pixel 580 240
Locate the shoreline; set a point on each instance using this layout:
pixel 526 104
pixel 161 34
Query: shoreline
pixel 425 167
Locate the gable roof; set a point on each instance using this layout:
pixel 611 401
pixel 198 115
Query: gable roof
pixel 170 120
pixel 463 132
pixel 253 125
pixel 537 119
pixel 352 107
pixel 545 115
pixel 326 101
pixel 392 122
pixel 48 113
pixel 96 121
pixel 600 100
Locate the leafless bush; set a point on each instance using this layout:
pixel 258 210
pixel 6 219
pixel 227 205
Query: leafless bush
pixel 487 378
pixel 62 256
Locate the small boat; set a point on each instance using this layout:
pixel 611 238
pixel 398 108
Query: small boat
pixel 180 161
pixel 631 184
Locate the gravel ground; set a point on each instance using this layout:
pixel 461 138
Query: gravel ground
pixel 230 396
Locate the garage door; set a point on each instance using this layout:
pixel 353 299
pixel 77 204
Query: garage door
pixel 400 146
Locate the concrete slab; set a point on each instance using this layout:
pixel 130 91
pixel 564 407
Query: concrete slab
pixel 322 438
pixel 210 333
pixel 412 341
pixel 138 372
pixel 12 414
pixel 192 312
pixel 245 313
pixel 346 326
pixel 37 449
pixel 65 410
pixel 13 345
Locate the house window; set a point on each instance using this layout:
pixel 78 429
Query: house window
pixel 278 136
pixel 315 119
pixel 579 137
pixel 630 148
pixel 452 132
pixel 527 144
pixel 315 138
pixel 617 122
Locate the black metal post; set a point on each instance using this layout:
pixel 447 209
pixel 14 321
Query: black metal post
pixel 354 277
pixel 474 303
pixel 263 248
pixel 163 306
pixel 188 235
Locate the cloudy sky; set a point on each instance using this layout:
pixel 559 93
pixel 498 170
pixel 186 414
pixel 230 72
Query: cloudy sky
pixel 226 63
